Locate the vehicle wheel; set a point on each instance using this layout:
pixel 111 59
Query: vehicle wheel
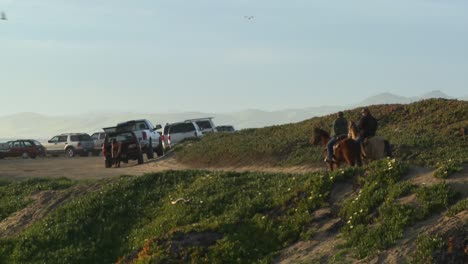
pixel 25 155
pixel 108 163
pixel 160 151
pixel 149 150
pixel 70 152
pixel 140 159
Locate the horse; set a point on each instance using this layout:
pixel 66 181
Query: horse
pixel 344 150
pixel 373 148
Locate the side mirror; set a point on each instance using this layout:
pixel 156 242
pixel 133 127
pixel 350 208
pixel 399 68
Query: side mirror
pixel 158 127
pixel 50 141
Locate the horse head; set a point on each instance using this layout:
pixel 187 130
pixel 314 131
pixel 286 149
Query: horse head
pixel 317 136
pixel 352 130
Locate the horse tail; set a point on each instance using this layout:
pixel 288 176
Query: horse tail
pixel 388 149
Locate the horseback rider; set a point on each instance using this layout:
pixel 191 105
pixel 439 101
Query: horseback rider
pixel 367 127
pixel 339 128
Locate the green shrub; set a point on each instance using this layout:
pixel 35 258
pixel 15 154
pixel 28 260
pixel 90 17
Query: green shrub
pixel 425 247
pixel 458 207
pixel 447 168
pixel 375 218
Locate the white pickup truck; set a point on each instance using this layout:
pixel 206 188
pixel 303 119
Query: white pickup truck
pixel 149 138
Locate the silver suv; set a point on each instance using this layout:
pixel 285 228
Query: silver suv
pixel 70 144
pixel 178 132
pixel 205 124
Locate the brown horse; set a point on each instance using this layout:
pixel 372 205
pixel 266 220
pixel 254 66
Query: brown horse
pixel 373 148
pixel 344 149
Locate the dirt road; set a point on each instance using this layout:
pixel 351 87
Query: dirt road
pixel 79 167
pixel 93 168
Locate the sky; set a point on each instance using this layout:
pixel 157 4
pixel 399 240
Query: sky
pixel 85 56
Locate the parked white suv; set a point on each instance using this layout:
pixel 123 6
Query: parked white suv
pixel 70 144
pixel 149 138
pixel 180 131
pixel 205 124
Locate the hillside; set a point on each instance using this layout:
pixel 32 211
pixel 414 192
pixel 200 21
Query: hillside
pixel 229 217
pixel 421 132
pixel 43 127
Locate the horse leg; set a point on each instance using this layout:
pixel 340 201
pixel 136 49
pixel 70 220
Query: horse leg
pixel 388 149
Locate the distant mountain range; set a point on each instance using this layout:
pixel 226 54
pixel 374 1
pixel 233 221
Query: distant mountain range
pixel 33 125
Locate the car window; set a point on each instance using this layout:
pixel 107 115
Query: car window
pixel 103 136
pixel 62 138
pixel 95 136
pixel 18 144
pixel 37 143
pixel 54 139
pixel 27 144
pixel 182 128
pixel 84 137
pixel 204 125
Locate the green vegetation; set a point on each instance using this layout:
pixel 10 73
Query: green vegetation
pixel 425 247
pixel 422 133
pixel 376 218
pixel 458 207
pixel 447 168
pixel 221 217
pixel 13 195
pixel 235 217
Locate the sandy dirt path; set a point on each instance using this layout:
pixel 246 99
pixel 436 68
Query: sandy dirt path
pixel 84 168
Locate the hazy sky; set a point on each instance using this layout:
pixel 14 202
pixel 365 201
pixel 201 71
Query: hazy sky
pixel 80 56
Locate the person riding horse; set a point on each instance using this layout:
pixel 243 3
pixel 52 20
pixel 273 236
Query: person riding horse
pixel 339 128
pixel 367 127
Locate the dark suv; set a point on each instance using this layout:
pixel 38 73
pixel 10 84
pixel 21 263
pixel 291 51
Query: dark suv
pixel 130 147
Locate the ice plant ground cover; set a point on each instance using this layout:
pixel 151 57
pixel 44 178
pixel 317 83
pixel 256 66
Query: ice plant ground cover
pixel 220 217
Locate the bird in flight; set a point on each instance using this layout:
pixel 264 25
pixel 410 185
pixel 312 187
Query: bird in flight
pixel 249 17
pixel 3 16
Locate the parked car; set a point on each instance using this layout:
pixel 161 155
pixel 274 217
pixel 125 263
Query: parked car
pixel 70 144
pixel 98 139
pixel 225 129
pixel 181 131
pixel 206 124
pixel 150 140
pixel 130 146
pixel 26 148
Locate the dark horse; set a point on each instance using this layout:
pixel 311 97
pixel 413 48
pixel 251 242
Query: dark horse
pixel 344 150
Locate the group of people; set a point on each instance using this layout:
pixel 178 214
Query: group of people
pixel 367 126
